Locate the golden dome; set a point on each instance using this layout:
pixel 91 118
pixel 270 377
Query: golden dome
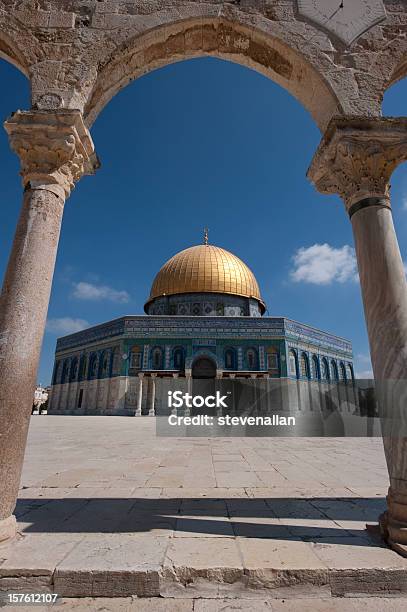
pixel 205 268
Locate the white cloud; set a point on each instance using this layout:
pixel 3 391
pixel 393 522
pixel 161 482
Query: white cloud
pixel 322 264
pixel 90 291
pixel 66 325
pixel 404 202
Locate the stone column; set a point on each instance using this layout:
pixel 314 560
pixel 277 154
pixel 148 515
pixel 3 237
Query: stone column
pixel 219 376
pixel 175 386
pixel 140 395
pixel 355 160
pixel 188 376
pixel 151 411
pixel 232 410
pixel 55 150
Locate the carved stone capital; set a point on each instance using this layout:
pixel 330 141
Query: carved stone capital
pixel 54 147
pixel 357 156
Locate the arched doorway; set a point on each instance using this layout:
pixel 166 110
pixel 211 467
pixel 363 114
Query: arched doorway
pixel 204 368
pixel 203 382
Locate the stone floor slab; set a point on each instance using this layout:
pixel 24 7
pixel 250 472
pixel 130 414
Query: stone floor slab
pixel 106 508
pixel 115 565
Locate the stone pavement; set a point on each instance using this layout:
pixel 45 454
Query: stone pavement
pixel 107 509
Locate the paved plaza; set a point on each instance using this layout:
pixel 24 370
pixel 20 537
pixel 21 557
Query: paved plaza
pixel 107 509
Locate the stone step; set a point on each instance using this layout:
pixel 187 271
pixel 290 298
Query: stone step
pixel 122 565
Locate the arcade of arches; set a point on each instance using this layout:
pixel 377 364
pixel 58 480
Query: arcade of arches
pixel 77 59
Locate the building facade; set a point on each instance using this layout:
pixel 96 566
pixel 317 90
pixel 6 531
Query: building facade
pixel 204 319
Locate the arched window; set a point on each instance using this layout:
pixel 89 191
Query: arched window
pixel 179 358
pixel 315 368
pixel 272 359
pixel 325 369
pixel 334 367
pixel 251 359
pixel 292 363
pixel 157 359
pixel 65 371
pixel 135 358
pixel 304 366
pixel 93 364
pixel 104 364
pixel 230 359
pixel 342 371
pixel 57 372
pixel 349 372
pixel 74 369
pixel 116 362
pixel 82 367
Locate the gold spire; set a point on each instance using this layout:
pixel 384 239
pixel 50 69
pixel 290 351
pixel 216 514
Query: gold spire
pixel 206 236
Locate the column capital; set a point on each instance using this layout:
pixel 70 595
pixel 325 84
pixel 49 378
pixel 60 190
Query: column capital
pixel 55 148
pixel 357 156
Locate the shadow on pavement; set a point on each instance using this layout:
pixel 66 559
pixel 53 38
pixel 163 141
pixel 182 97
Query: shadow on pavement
pixel 248 517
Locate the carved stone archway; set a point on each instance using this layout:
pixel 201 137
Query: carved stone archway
pixel 78 55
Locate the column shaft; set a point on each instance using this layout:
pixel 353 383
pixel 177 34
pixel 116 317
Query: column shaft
pixel 355 159
pixel 55 150
pixel 151 411
pixel 23 310
pixel 384 290
pixel 140 396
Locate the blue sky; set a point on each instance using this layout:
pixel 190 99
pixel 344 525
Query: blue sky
pixel 200 143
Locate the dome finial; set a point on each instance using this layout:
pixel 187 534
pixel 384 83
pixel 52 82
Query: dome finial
pixel 206 237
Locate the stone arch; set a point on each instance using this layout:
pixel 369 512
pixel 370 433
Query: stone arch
pixel 293 364
pixel 65 370
pixel 305 371
pixel 73 371
pixel 325 375
pixel 157 358
pixel 57 372
pixel 83 362
pixel 230 358
pixel 116 361
pixel 399 73
pixel 217 37
pixel 93 366
pixel 252 358
pixel 316 371
pixel 204 368
pixel 335 371
pixel 178 357
pixel 11 53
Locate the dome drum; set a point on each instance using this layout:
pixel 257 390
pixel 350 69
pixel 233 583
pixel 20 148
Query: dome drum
pixel 204 304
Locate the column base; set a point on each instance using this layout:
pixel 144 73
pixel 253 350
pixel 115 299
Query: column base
pixel 8 528
pixel 393 522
